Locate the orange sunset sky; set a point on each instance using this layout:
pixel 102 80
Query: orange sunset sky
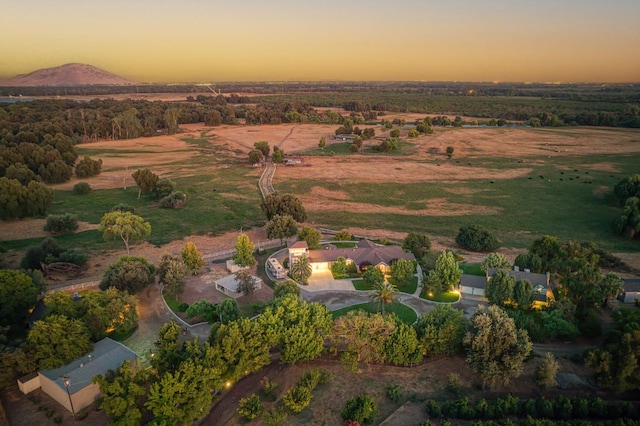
pixel 241 40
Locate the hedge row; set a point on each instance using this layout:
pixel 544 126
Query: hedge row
pixel 559 408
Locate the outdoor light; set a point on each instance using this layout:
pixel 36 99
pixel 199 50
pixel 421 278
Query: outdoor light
pixel 67 383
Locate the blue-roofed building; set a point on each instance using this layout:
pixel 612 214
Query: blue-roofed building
pixel 107 355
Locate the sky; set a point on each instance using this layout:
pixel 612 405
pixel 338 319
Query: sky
pixel 279 40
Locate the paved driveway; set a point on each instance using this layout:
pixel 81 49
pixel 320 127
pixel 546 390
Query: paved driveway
pixel 323 281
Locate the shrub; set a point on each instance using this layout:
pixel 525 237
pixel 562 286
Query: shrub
pixel 268 386
pixel 123 207
pixel 274 417
pixel 285 288
pixel 251 407
pixel 310 379
pixel 546 371
pixel 362 409
pixel 339 267
pixel 477 238
pixel 297 398
pixel 88 167
pixel 73 256
pixel 453 384
pixel 175 200
pixel 183 307
pixel 343 236
pixel 81 188
pixel 394 392
pixel 61 223
pixel 204 309
pixel 164 187
pixel 433 409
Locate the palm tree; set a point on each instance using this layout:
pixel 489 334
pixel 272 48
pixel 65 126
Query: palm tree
pixel 385 293
pixel 301 270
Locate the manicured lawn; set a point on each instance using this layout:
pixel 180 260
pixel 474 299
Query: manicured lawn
pixel 472 269
pixel 343 244
pixel 172 302
pixel 409 287
pixel 448 297
pixel 405 313
pixel 361 285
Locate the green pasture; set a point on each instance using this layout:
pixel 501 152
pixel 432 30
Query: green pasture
pixel 405 313
pixel 566 196
pixel 562 195
pixel 225 200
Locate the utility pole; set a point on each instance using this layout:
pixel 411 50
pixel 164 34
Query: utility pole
pixel 67 383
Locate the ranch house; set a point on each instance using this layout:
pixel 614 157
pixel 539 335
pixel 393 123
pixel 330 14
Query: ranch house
pixel 345 138
pixel 366 253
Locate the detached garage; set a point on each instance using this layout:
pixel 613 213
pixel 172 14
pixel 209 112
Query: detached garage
pixel 473 285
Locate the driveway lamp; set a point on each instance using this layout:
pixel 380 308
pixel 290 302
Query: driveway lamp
pixel 67 383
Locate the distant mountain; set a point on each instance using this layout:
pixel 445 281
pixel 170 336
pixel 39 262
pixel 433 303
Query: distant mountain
pixel 67 75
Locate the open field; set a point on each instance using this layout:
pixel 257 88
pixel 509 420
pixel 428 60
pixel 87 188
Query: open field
pixel 521 183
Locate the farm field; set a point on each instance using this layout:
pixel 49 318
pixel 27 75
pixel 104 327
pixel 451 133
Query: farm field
pixel 521 183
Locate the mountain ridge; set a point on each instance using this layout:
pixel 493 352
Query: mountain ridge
pixel 71 74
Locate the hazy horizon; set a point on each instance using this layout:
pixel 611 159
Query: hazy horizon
pixel 195 41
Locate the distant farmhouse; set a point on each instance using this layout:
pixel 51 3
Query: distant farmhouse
pixel 366 253
pixel 474 285
pixel 345 138
pixel 71 385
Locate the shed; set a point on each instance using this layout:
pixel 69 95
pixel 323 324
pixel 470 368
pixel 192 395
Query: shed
pixel 107 355
pixel 229 286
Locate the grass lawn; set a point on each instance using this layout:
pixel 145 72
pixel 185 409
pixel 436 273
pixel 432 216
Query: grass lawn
pixel 361 285
pixel 448 297
pixel 409 287
pixel 343 244
pixel 405 313
pixel 172 302
pixel 472 269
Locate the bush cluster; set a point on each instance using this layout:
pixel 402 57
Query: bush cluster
pixel 477 238
pixel 362 409
pixel 61 223
pixel 297 398
pixel 251 407
pixel 88 167
pixel 175 200
pixel 81 188
pixel 49 251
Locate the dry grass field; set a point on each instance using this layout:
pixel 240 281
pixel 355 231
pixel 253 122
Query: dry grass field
pixel 480 156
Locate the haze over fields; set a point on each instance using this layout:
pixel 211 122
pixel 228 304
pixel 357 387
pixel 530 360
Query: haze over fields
pixel 222 40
